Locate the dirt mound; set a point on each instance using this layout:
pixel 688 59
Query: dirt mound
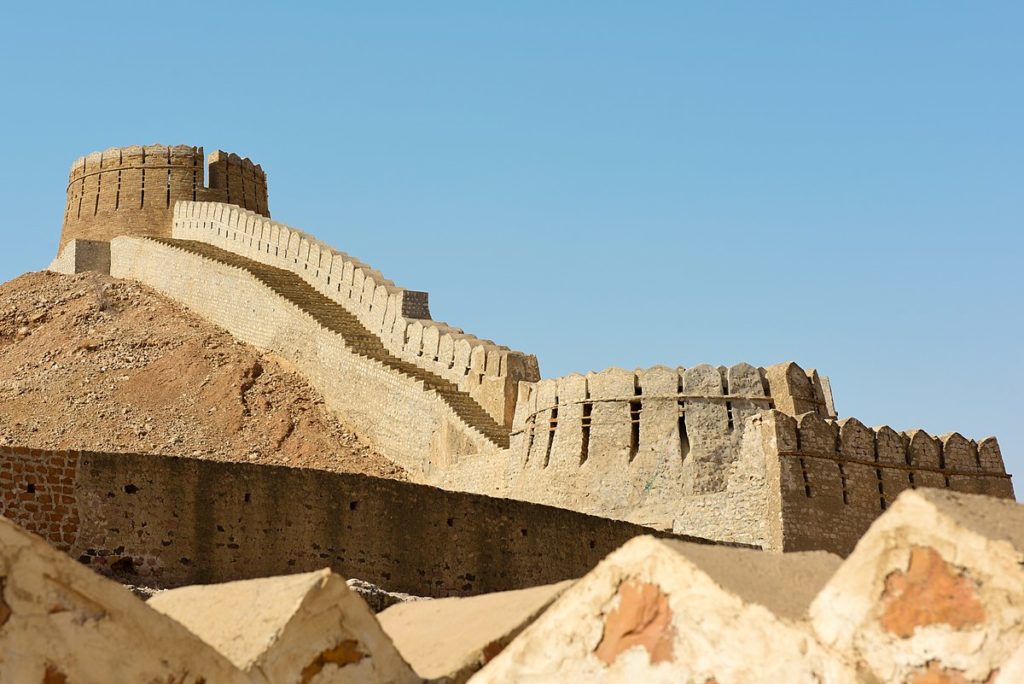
pixel 91 362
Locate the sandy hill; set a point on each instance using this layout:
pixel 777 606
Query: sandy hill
pixel 90 362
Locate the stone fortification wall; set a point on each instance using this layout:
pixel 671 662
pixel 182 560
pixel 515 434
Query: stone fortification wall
pixel 408 423
pixel 486 371
pixel 132 190
pixel 166 521
pixel 79 256
pixel 830 479
pixel 636 445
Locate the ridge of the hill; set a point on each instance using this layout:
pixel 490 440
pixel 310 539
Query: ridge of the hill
pixel 91 362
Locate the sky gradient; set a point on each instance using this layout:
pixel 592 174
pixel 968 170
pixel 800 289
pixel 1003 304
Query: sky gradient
pixel 600 184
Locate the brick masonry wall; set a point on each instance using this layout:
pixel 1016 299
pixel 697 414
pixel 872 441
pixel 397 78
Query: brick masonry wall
pixel 37 491
pixel 488 372
pixel 132 190
pixel 408 424
pixel 167 521
pixel 833 478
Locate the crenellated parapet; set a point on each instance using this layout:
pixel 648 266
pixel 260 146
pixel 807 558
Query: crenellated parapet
pixel 132 190
pixel 400 318
pixel 835 477
pixel 637 445
pixel 673 414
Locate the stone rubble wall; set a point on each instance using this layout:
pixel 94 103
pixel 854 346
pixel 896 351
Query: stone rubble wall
pixel 652 446
pixel 831 479
pixel 488 372
pixel 166 521
pixel 406 423
pixel 37 492
pixel 132 190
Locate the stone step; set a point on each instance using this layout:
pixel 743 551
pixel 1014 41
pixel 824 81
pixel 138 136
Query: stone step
pixel 357 338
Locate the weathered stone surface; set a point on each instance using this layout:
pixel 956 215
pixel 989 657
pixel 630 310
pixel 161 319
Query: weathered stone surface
pixel 133 190
pixel 934 589
pixel 662 611
pixel 78 256
pixel 380 599
pixel 296 628
pixel 447 640
pixel 60 622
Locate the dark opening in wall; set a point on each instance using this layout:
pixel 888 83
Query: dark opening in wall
pixel 634 421
pixel 807 482
pixel 142 193
pixel 30 488
pixel 684 439
pixel 842 483
pixel 130 489
pixel 588 409
pixel 881 488
pixel 530 434
pixel 551 433
pixel 728 413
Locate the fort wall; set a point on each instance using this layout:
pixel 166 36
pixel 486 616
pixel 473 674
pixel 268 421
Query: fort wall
pixel 488 372
pixel 830 479
pixel 79 256
pixel 165 521
pixel 644 445
pixel 132 190
pixel 408 423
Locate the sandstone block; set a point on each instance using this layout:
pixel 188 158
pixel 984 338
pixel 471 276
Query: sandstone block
pixel 61 622
pixel 935 588
pixel 666 611
pixel 447 640
pixel 297 628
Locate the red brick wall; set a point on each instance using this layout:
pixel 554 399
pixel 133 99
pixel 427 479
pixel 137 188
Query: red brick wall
pixel 37 491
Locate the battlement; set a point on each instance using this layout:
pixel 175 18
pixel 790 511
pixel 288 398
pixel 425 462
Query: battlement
pixel 835 477
pixel 618 415
pixel 132 190
pixel 400 318
pixel 636 445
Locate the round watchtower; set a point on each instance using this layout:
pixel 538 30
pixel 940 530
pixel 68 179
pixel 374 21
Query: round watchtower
pixel 132 190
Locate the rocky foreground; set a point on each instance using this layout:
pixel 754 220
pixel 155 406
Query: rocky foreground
pixel 138 373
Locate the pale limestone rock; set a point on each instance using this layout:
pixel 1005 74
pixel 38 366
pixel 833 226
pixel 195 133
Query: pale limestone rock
pixel 61 622
pixel 447 640
pixel 308 628
pixel 666 611
pixel 934 588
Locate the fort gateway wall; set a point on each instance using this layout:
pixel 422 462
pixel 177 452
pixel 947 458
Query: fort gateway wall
pixel 488 372
pixel 165 521
pixel 410 425
pixel 133 190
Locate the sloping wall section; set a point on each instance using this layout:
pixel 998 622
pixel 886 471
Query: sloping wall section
pixel 409 422
pixel 488 372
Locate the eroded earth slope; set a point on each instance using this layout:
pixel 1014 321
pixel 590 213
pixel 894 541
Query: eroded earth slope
pixel 91 362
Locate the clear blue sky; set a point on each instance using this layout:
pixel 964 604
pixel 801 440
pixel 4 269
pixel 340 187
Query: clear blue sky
pixel 840 184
